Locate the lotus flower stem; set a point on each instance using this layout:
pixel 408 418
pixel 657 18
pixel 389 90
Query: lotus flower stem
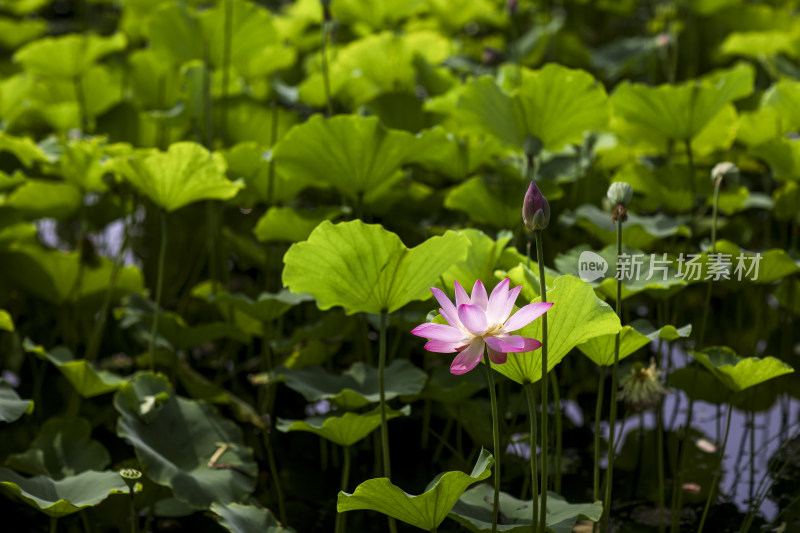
pixel 614 386
pixel 341 518
pixel 717 471
pixel 660 465
pixel 543 292
pixel 704 323
pixel 387 467
pixel 597 412
pixel 273 138
pixel 534 475
pixel 557 413
pixel 227 45
pixel 496 441
pixel 53 524
pixel 273 470
pixel 162 252
pixel 80 96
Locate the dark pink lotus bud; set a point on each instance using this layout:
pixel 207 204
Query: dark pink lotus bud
pixel 535 209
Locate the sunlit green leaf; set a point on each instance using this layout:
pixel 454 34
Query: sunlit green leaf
pixel 483 257
pixel 739 373
pixel 425 511
pixel 184 174
pixel 355 155
pixel 68 56
pixel 45 198
pixel 577 315
pixel 344 430
pixel 367 268
pixel 492 200
pixel 6 323
pixel 14 33
pixel 88 380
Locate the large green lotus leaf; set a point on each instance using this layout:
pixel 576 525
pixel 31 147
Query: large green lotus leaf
pixel 14 33
pixel 173 332
pixel 457 157
pixel 288 224
pixel 576 316
pixel 787 198
pixel 698 384
pixel 759 126
pixel 68 56
pixel 555 104
pixel 680 112
pixel 640 231
pixel 176 438
pixel 366 268
pixel 239 518
pixel 492 200
pixel 184 174
pixel 483 257
pixel 256 49
pixel 175 34
pixel 11 405
pixel 758 44
pixel 82 374
pixel 23 148
pixel 356 155
pixel 357 386
pixel 45 198
pixel 606 284
pixel 377 64
pixel 52 275
pixel 739 373
pixel 22 7
pixel 377 15
pixel 788 294
pixel 6 323
pixel 343 430
pixel 425 511
pixel 155 83
pixel 80 163
pixel 62 497
pixel 62 448
pixel 601 349
pixel 474 511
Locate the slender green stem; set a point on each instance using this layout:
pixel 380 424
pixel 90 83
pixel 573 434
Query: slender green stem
pixel 660 466
pixel 717 472
pixel 557 413
pixel 273 470
pixel 597 412
pixel 496 441
pixel 341 518
pixel 677 483
pixel 80 95
pixel 227 46
pixel 159 284
pixel 704 323
pixel 325 70
pixel 53 524
pixel 134 518
pixel 87 527
pixel 752 420
pixel 543 292
pixel 534 475
pixel 387 467
pixel 614 386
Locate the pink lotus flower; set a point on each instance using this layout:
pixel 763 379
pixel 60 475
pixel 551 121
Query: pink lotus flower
pixel 479 321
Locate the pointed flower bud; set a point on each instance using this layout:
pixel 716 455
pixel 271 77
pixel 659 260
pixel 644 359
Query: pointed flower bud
pixel 620 193
pixel 724 170
pixel 535 209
